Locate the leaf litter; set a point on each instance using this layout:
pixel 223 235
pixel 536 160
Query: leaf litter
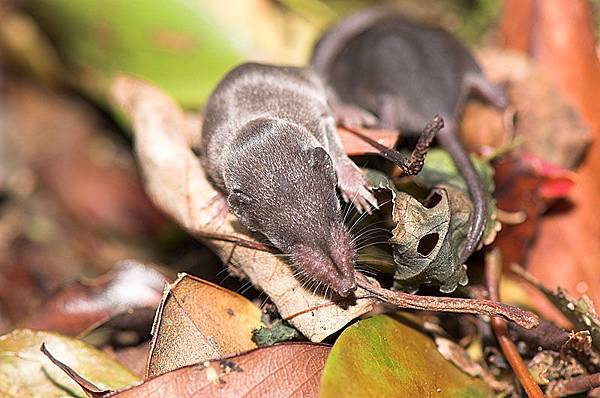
pixel 565 367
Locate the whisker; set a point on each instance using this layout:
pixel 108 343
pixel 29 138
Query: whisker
pixel 371 232
pixel 370 244
pixel 370 225
pixel 358 220
pixel 239 289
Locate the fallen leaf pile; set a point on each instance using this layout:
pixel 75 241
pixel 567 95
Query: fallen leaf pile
pixel 116 281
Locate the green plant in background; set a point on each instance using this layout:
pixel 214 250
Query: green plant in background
pixel 176 44
pixel 185 46
pixel 476 17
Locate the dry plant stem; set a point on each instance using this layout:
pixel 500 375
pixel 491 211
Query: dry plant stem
pixel 89 388
pixel 450 304
pixel 234 239
pixel 413 165
pixel 493 269
pixel 576 385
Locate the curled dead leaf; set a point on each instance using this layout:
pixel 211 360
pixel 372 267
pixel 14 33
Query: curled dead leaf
pixel 424 250
pixel 198 321
pixel 429 236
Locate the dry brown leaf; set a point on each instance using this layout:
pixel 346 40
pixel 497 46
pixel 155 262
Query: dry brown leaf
pixel 198 321
pixel 177 184
pixel 517 191
pixel 81 304
pixel 284 370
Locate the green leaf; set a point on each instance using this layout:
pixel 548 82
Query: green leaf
pixel 26 372
pixel 278 332
pixel 183 46
pixel 180 45
pixel 385 356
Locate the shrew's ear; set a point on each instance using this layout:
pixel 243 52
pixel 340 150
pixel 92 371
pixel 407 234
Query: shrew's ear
pixel 319 159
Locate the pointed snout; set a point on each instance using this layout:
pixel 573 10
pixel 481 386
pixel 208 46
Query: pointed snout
pixel 345 287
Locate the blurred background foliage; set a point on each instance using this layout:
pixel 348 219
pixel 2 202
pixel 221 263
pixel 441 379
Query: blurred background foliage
pixel 185 46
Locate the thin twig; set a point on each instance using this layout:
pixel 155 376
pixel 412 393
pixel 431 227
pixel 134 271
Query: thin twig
pixel 576 385
pixel 234 239
pixel 450 304
pixel 413 165
pixel 90 389
pixel 317 307
pixel 493 269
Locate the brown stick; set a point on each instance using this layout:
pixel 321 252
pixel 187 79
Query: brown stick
pixel 450 304
pixel 493 269
pixel 413 165
pixel 575 385
pixel 90 389
pixel 234 239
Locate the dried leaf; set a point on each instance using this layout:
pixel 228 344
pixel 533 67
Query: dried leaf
pixel 177 184
pixel 429 236
pixel 385 356
pixel 440 170
pixel 26 372
pixel 426 240
pixel 525 184
pixel 517 191
pixel 284 370
pixel 81 304
pixel 198 321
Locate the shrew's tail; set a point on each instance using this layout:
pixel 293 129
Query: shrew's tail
pixel 448 139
